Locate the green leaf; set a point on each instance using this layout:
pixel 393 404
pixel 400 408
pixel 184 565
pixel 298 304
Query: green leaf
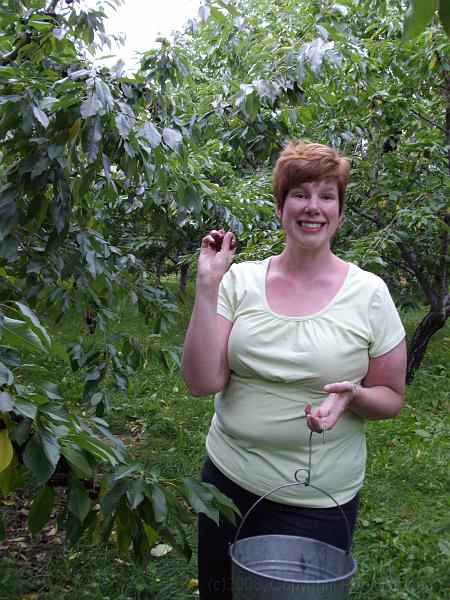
pixel 135 492
pixel 218 16
pixel 12 476
pixel 40 116
pixel 32 319
pixel 151 534
pixel 6 450
pixel 6 377
pixel 6 400
pixel 36 460
pixel 122 471
pixel 78 503
pixel 39 167
pixel 171 137
pixel 50 446
pixel 21 431
pixel 41 509
pixel 104 94
pixel 200 498
pixel 158 500
pixel 52 391
pixel 90 106
pixel 151 134
pixel 444 14
pixel 417 17
pixel 113 497
pixel 19 335
pixel 226 506
pixel 93 446
pixel 77 461
pixel 123 528
pixel 28 409
pixel 124 124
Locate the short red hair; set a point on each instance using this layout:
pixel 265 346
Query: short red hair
pixel 308 161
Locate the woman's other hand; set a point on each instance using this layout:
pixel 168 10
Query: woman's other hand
pixel 328 413
pixel 213 263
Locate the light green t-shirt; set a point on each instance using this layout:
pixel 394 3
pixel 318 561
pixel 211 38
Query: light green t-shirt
pixel 258 435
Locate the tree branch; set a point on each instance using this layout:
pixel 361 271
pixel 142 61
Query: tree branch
pixel 11 56
pixel 400 265
pixel 410 258
pixel 424 118
pixel 371 218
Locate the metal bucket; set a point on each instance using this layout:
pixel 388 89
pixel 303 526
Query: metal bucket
pixel 287 567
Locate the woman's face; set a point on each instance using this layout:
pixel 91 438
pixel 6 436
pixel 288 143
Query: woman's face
pixel 310 215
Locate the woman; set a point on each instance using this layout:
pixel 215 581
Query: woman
pixel 296 342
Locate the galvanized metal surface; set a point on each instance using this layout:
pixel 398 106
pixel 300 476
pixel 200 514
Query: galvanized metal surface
pixel 283 567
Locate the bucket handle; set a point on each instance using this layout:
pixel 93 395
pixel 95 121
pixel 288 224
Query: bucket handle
pixel 306 483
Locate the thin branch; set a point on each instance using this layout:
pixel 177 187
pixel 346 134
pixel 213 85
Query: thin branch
pixel 27 252
pixel 371 218
pixel 410 258
pixel 400 265
pixel 424 118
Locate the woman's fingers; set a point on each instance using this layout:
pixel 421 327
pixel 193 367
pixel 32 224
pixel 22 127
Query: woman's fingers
pixel 207 241
pixel 219 240
pixel 316 419
pixel 338 387
pixel 229 242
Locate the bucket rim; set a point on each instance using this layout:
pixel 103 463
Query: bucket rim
pixel 300 581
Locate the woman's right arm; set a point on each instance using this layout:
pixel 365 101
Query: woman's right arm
pixel 204 363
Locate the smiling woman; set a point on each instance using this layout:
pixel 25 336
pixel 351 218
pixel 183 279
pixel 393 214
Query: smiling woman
pixel 302 341
pixel 311 209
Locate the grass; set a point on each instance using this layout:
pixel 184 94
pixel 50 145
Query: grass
pixel 401 544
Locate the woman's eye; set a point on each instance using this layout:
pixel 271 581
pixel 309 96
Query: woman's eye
pixel 328 197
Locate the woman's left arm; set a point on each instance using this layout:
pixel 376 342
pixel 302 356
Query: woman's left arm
pixel 380 397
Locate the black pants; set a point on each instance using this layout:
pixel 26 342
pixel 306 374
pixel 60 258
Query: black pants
pixel 214 565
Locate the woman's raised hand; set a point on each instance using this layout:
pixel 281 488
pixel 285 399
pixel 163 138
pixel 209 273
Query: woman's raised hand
pixel 216 255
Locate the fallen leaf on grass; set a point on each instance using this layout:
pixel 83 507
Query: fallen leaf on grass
pixel 192 584
pixel 161 550
pixel 9 502
pixel 30 596
pixel 40 557
pixel 119 561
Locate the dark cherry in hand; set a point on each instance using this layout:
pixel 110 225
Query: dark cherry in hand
pixel 218 239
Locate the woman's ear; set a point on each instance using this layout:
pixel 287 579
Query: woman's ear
pixel 279 212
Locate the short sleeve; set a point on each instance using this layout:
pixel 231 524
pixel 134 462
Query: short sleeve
pixel 386 326
pixel 226 304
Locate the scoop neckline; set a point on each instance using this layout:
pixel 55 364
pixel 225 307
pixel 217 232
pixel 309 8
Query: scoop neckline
pixel 315 315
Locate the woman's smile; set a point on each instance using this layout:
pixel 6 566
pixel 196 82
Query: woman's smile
pixel 311 226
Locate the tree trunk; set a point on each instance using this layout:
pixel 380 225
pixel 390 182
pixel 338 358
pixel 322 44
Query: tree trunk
pixel 183 278
pixel 159 265
pixel 424 332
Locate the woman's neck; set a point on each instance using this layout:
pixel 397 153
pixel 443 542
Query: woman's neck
pixel 307 264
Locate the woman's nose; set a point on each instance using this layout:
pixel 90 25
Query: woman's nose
pixel 313 202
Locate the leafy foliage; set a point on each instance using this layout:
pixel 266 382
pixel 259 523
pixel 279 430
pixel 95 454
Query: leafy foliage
pixel 105 175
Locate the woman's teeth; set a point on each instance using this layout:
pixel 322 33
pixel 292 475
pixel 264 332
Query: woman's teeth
pixel 311 225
